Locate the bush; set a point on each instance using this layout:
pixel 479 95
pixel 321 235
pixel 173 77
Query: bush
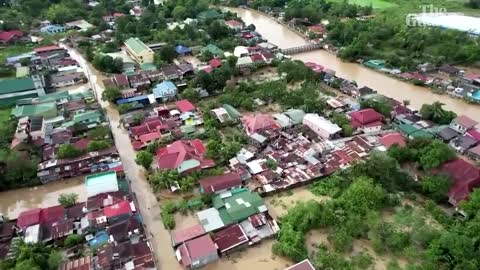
pixel 98 145
pixel 73 240
pixel 67 200
pixel 68 151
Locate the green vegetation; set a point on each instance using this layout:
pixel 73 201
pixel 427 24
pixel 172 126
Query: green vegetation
pixel 73 240
pixel 108 64
pixel 144 158
pixel 98 145
pixel 33 257
pixel 183 206
pixel 68 199
pixel 376 4
pixel 111 94
pixel 68 151
pixel 437 114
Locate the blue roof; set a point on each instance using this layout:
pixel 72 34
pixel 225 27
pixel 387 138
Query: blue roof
pixel 101 238
pixel 182 49
pixel 164 88
pixel 131 99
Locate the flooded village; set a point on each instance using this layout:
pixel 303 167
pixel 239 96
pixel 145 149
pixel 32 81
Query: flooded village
pixel 182 164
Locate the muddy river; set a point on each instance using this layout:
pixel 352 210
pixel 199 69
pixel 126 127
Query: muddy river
pixel 283 37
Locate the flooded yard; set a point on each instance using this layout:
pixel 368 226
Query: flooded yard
pixel 13 202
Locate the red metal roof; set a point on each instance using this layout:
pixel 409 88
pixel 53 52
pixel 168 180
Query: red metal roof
pixel 388 140
pixel 84 263
pixel 258 122
pixel 182 235
pixel 29 217
pixel 118 209
pixel 465 176
pixel 139 130
pixel 465 121
pixel 233 23
pixel 200 247
pixel 230 237
pixel 173 155
pixel 184 105
pixel 365 117
pixel 257 57
pixel 319 29
pixel 51 214
pixel 47 49
pixel 150 137
pixel 215 62
pixel 121 80
pixel 82 144
pixel 221 182
pixel 474 134
pixel 8 35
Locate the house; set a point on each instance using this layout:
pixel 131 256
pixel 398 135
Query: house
pixel 89 118
pixel 238 205
pixel 296 116
pixel 101 183
pixel 321 126
pixel 221 114
pixel 185 106
pixel 466 177
pixel 140 52
pixel 462 124
pixel 317 29
pixel 209 15
pixel 184 156
pixel 128 66
pixel 11 37
pixel 53 29
pixel 139 81
pixel 258 122
pixel 80 25
pixel 220 183
pixel 47 110
pixel 447 134
pixel 241 51
pixel 282 120
pixel 213 50
pixel 197 252
pixel 303 265
pixel 165 91
pixel 12 90
pixel 375 64
pixel 215 63
pixel 474 153
pixel 83 263
pixel 180 236
pixel 366 120
pixel 234 24
pixel 64 80
pixel 230 238
pixel 183 50
pixel 449 70
pixel 391 139
pixel 463 143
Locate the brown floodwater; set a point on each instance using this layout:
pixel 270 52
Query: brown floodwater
pixel 283 37
pixel 13 202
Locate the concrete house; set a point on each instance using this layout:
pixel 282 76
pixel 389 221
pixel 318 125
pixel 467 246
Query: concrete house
pixel 462 124
pixel 321 126
pixel 197 252
pixel 140 52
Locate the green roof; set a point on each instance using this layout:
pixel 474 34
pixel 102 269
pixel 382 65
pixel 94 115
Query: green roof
pixel 187 165
pixel 213 49
pixel 421 134
pixel 296 115
pixel 136 45
pixel 54 96
pixel 48 109
pixel 187 129
pixel 148 66
pixel 89 115
pixel 16 85
pixel 407 129
pixel 239 206
pixel 209 14
pixel 375 64
pixel 234 114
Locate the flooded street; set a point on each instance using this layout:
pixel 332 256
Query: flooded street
pixel 283 37
pixel 13 202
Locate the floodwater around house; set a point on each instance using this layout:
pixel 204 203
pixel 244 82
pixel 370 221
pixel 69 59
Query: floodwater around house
pixel 283 37
pixel 13 202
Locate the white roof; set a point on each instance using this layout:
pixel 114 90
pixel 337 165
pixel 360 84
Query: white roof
pixel 255 166
pixel 240 50
pixel 101 183
pixel 282 120
pixel 210 219
pixel 32 234
pixel 244 60
pixel 244 155
pixel 321 122
pixel 451 21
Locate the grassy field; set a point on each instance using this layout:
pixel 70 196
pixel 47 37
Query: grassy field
pixel 376 4
pixel 13 50
pixel 4 115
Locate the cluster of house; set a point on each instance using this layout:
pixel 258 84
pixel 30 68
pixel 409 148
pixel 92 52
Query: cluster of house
pixel 108 222
pixel 453 80
pixel 238 219
pixel 60 118
pixel 44 70
pixel 49 28
pixel 164 123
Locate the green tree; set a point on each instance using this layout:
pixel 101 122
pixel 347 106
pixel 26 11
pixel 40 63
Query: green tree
pixel 67 199
pixel 98 145
pixel 436 186
pixel 73 240
pixel 144 158
pixel 179 12
pixel 167 53
pixel 68 151
pixel 435 155
pixel 111 94
pixel 191 94
pixel 98 133
pixel 436 113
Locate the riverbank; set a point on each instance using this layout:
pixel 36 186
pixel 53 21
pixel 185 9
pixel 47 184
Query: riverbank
pixel 284 37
